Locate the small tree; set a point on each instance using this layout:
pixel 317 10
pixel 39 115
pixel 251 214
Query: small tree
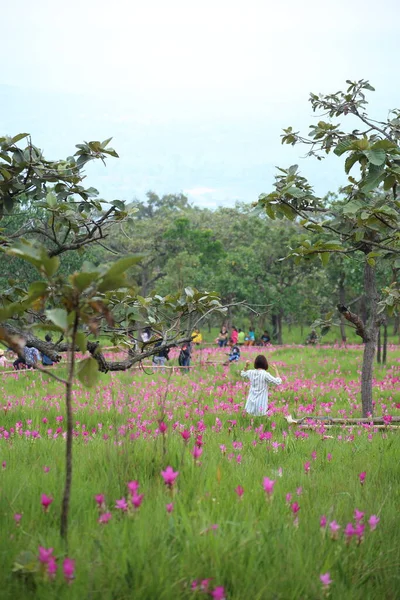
pixel 62 216
pixel 364 222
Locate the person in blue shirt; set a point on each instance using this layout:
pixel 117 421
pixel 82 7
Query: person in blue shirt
pixel 46 360
pixel 252 337
pixel 233 356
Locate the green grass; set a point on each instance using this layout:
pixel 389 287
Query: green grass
pixel 256 552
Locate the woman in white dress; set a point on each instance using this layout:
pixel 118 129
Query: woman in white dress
pixel 257 400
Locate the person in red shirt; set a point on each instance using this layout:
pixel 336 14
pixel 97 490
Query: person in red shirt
pixel 234 336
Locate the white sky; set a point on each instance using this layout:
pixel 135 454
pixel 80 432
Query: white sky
pixel 195 94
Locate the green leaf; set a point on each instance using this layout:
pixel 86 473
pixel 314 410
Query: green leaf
pixel 81 342
pixel 373 179
pixel 19 137
pixel 26 562
pixel 37 289
pixel 295 192
pixel 324 256
pixel 109 283
pixel 59 317
pixel 51 199
pixel 88 372
pixel 371 262
pixel 123 264
pixel 376 157
pixel 83 280
pixel 343 146
pixel 350 161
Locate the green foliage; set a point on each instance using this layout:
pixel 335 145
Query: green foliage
pixel 364 220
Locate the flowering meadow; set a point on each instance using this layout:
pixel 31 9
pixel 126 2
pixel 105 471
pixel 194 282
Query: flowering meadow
pixel 177 494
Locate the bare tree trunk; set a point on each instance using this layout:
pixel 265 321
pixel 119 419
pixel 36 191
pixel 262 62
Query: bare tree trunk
pixel 385 340
pixel 279 326
pixel 342 299
pixel 68 451
pixel 363 308
pixel 370 340
pixel 396 325
pixel 274 319
pixel 378 348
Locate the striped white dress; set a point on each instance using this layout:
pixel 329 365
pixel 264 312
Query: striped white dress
pixel 257 400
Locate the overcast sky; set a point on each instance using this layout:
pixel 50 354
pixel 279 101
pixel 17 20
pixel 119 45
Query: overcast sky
pixel 195 94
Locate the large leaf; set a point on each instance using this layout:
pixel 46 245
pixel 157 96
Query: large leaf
pixel 343 146
pixel 59 317
pixel 122 265
pixel 376 157
pixel 88 372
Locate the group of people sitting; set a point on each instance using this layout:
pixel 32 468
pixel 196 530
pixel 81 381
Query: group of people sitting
pixel 240 338
pixel 31 357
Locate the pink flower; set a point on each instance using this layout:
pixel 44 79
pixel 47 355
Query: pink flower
pixel 334 527
pixel 325 579
pixel 362 477
pixel 104 518
pixel 223 448
pixel 239 490
pixel 122 504
pixel 268 485
pixel 239 458
pixel 44 554
pixel 218 593
pixel 295 507
pixel 329 457
pixel 358 515
pixel 137 500
pixel 197 452
pixel 100 498
pixel 288 498
pixel 46 501
pixel 349 531
pixel 359 531
pixel 314 455
pixel 51 567
pixel 18 517
pixel 323 521
pixel 307 467
pixel 4 464
pixel 169 507
pixel 46 469
pixel 185 434
pixel 373 522
pixel 169 476
pixel 133 487
pixel 205 583
pixel 68 569
pixel 299 491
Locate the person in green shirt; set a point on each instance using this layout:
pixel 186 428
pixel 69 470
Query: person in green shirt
pixel 241 336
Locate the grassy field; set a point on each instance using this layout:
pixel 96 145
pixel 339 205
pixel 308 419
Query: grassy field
pixel 247 544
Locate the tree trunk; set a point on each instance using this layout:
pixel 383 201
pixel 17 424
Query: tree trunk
pixel 363 308
pixel 274 320
pixel 68 450
pixel 378 348
pixel 396 325
pixel 342 299
pixel 279 326
pixel 385 340
pixel 370 339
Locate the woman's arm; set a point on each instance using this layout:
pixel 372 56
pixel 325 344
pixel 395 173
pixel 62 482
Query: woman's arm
pixel 277 379
pixel 245 373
